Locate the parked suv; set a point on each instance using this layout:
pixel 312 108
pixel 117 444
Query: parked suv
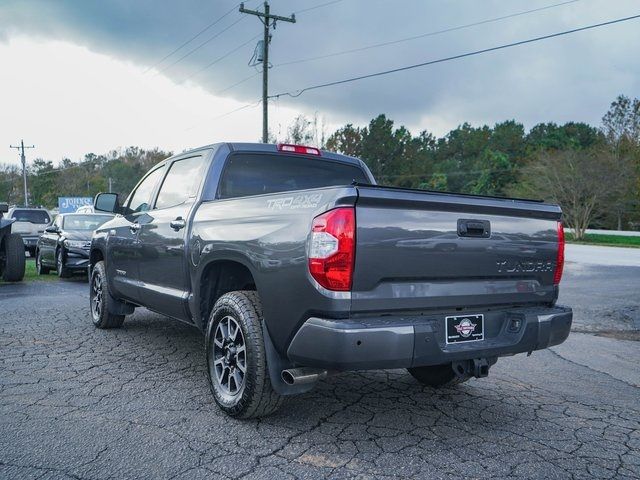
pixel 29 223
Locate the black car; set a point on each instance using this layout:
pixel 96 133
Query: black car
pixel 64 245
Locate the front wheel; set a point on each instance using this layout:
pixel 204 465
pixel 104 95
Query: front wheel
pixel 40 269
pixel 236 357
pixel 61 270
pixel 98 299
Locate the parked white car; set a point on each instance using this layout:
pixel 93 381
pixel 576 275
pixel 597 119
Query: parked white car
pixel 30 223
pixel 85 209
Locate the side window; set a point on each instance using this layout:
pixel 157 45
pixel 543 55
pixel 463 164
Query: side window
pixel 58 222
pixel 141 196
pixel 181 182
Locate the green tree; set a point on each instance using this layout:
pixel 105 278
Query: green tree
pixel 10 184
pixel 573 179
pixel 346 140
pixel 496 175
pixel 621 125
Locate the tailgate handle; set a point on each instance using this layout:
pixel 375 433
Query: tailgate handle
pixel 474 228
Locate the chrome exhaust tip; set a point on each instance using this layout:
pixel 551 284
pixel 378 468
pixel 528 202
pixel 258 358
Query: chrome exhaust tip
pixel 303 375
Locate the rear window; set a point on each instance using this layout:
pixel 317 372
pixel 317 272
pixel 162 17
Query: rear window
pixel 31 216
pixel 257 174
pixel 84 222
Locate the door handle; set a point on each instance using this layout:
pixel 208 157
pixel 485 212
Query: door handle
pixel 134 227
pixel 178 224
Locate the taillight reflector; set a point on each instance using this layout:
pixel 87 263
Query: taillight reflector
pixel 331 248
pixel 287 147
pixel 557 275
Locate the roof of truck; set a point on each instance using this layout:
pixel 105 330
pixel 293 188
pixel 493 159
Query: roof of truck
pixel 271 148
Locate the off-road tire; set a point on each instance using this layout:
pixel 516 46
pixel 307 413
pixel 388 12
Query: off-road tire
pixel 256 398
pixel 437 375
pixel 101 317
pixel 14 259
pixel 61 271
pixel 41 269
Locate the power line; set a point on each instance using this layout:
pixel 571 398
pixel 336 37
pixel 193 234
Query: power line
pixel 239 82
pixel 423 35
pixel 318 6
pixel 209 65
pixel 253 75
pixel 454 57
pixel 226 114
pixel 202 44
pixel 215 22
pixel 394 42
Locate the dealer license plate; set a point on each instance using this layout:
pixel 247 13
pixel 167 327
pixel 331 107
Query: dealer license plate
pixel 464 328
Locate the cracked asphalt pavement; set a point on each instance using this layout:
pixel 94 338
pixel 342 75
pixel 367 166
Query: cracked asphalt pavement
pixel 76 402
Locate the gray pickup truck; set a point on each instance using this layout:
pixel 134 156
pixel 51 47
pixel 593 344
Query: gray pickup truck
pixel 296 265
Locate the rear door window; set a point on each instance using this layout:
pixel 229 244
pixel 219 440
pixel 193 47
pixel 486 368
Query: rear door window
pixel 31 216
pixel 181 182
pixel 257 174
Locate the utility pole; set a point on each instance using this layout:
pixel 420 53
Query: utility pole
pixel 110 184
pixel 21 147
pixel 267 20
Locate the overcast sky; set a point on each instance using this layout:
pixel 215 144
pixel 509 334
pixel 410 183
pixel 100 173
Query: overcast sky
pixel 80 76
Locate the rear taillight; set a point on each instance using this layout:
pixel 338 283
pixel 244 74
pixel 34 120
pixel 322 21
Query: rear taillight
pixel 331 248
pixel 557 275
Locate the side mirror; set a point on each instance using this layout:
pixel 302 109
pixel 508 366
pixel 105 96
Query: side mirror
pixel 51 229
pixel 107 202
pixel 4 208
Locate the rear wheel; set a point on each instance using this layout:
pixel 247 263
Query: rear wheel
pixel 236 357
pixel 14 258
pixel 437 375
pixel 98 300
pixel 61 270
pixel 40 269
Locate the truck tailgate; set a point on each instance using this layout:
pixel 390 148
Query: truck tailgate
pixel 421 250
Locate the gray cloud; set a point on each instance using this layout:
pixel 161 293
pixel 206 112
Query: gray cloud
pixel 569 78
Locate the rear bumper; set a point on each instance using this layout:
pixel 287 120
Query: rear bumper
pixel 402 342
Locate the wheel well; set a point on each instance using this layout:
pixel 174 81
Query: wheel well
pixel 95 256
pixel 219 278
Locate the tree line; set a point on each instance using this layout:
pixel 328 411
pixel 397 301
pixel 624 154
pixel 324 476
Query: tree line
pixel 593 172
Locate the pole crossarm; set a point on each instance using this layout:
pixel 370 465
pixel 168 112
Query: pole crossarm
pixel 291 19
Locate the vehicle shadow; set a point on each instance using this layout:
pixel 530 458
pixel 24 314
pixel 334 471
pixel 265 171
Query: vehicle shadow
pixel 387 398
pixel 372 422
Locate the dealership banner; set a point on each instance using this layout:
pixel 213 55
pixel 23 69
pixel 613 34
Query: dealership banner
pixel 71 204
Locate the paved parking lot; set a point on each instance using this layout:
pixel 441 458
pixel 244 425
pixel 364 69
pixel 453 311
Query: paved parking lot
pixel 76 402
